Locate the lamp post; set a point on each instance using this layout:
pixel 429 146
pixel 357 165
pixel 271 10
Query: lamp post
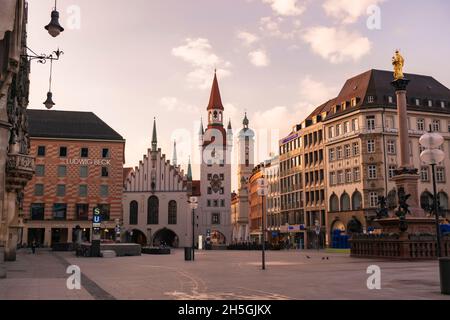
pixel 193 202
pixel 432 156
pixel 262 191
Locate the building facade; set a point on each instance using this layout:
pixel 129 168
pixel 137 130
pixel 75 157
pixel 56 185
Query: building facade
pixel 246 160
pixel 216 145
pixel 273 200
pixel 362 146
pixel 79 166
pixel 16 164
pixel 155 201
pixel 303 184
pixel 257 205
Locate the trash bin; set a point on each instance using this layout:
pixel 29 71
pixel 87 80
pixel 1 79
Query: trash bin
pixel 444 270
pixel 188 254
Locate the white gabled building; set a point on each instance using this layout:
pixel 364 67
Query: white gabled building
pixel 155 201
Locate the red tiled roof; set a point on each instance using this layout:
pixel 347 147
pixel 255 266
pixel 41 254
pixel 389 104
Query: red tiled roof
pixel 215 101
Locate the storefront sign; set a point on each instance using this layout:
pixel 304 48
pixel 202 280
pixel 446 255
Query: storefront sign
pixel 292 228
pixel 88 162
pixel 290 138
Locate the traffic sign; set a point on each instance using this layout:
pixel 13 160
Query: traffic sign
pixel 97 218
pixel 263 188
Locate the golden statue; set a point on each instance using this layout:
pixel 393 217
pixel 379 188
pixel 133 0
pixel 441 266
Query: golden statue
pixel 398 62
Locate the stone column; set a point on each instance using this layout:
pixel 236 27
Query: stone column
pixel 4 142
pixel 406 176
pixel 12 232
pixel 403 123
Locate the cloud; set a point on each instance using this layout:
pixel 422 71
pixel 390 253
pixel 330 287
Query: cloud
pixel 286 7
pixel 199 54
pixel 348 11
pixel 173 104
pixel 314 93
pixel 337 45
pixel 273 27
pixel 259 58
pixel 247 38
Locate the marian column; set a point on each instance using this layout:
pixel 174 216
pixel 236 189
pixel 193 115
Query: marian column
pixel 406 176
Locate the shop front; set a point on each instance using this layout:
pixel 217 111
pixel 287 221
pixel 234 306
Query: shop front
pixel 293 236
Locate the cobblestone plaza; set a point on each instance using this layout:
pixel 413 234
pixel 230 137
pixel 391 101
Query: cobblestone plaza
pixel 218 275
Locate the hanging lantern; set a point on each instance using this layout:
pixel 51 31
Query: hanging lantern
pixel 49 102
pixel 54 28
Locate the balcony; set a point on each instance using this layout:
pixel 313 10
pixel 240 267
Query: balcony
pixel 19 170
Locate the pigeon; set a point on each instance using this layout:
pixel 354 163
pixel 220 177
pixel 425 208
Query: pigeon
pixel 308 257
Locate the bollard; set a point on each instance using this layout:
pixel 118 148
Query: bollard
pixel 188 254
pixel 2 263
pixel 444 271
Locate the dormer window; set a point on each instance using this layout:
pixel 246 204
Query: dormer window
pixel 430 103
pixel 442 104
pixel 370 99
pixel 353 102
pixel 390 100
pixel 417 102
pixel 344 105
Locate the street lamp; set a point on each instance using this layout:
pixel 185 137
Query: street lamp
pixel 432 156
pixel 263 191
pixel 54 28
pixel 193 202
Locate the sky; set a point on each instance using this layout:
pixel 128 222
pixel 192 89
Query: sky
pixel 135 60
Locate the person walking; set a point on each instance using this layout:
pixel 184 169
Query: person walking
pixel 33 247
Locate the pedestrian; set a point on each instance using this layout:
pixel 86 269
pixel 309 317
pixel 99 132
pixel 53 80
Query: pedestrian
pixel 33 247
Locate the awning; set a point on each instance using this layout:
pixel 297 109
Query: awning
pixel 7 16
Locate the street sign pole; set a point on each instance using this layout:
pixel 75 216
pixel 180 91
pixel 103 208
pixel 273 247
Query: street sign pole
pixel 193 201
pixel 262 191
pixel 96 223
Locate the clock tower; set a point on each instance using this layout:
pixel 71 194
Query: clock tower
pixel 216 143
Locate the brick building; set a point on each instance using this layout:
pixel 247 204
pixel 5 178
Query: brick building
pixel 79 166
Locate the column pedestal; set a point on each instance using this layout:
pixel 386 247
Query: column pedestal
pixel 410 183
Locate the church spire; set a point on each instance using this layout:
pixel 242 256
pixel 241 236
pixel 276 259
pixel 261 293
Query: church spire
pixel 245 122
pixel 154 137
pixel 215 101
pixel 189 173
pixel 174 157
pixel 202 131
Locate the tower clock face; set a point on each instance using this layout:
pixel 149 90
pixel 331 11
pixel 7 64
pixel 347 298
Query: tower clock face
pixel 216 183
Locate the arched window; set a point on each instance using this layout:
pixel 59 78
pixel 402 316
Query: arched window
pixel 172 219
pixel 134 213
pixel 443 201
pixel 356 200
pixel 153 210
pixel 345 202
pixel 392 199
pixel 426 201
pixel 334 203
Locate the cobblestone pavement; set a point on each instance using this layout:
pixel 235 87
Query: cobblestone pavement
pixel 219 275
